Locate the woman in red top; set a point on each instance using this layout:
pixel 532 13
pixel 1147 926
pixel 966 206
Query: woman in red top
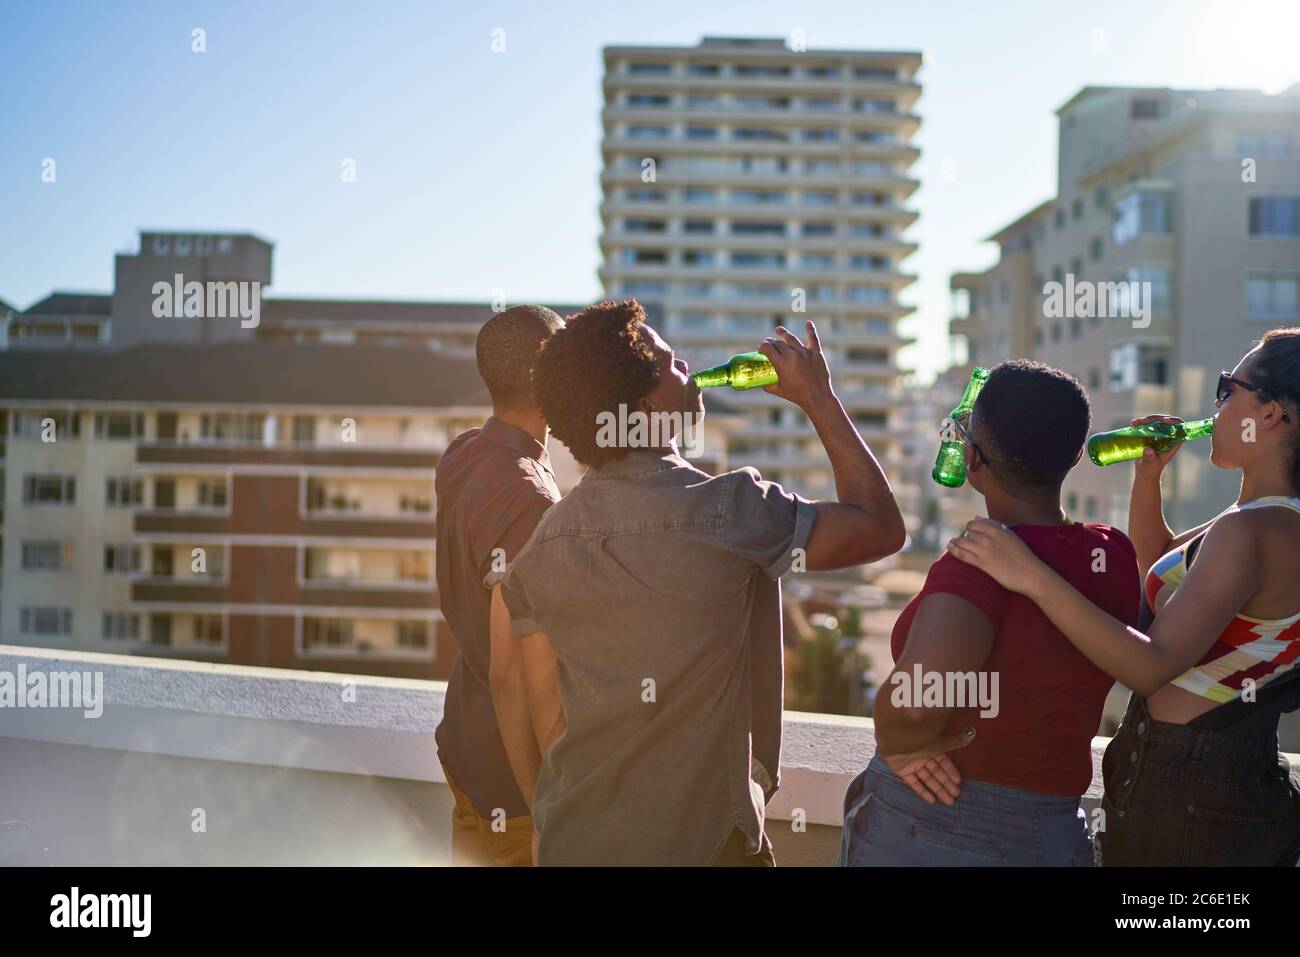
pixel 1193 776
pixel 972 655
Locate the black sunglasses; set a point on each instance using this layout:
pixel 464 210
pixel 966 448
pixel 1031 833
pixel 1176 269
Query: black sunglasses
pixel 965 434
pixel 1227 380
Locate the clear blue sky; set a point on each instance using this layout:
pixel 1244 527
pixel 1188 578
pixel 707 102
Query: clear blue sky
pixel 477 170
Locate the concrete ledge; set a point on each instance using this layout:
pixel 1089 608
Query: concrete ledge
pixel 356 724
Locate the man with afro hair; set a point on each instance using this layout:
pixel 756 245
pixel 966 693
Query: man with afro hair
pixel 648 604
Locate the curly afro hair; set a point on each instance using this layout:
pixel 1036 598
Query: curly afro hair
pixel 1031 421
pixel 600 360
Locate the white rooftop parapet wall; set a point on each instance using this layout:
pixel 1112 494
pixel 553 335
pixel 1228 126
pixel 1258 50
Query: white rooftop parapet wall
pixel 352 724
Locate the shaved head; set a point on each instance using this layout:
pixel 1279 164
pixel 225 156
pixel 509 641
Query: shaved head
pixel 507 350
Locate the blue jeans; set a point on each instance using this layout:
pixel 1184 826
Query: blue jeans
pixel 887 825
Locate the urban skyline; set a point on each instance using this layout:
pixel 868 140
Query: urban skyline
pixel 531 243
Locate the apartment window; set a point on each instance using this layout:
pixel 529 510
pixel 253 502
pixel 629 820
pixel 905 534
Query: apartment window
pixel 45 621
pixel 49 490
pixel 1096 248
pixel 413 634
pixel 1076 327
pixel 224 245
pixel 1133 364
pixel 206 629
pixel 304 429
pixel 818 260
pixel 327 633
pixel 650 69
pixel 645 289
pixel 701 132
pixel 657 101
pixel 160 629
pixel 875 106
pixel 1273 295
pixel 1076 267
pixel 182 245
pixel 121 559
pixel 872 230
pixel 693 321
pixel 636 194
pixel 869 199
pixel 203 245
pixel 161 246
pixel 703 69
pixel 1258 145
pixel 698 227
pixel 644 226
pixel 648 132
pixel 761 102
pixel 1094 378
pixel 703 101
pixel 1161 279
pixel 697 195
pixel 1090 507
pixel 759 134
pixel 818 135
pixel 821 72
pixel 46 556
pixel 758 228
pixel 1076 209
pixel 123 492
pixel 1056 332
pixel 869 263
pixel 37 425
pixel 1274 216
pixel 1100 197
pixel 1141 213
pixel 758 197
pixel 876 294
pixel 697 258
pixel 211 493
pixel 121 626
pixel 1059 218
pixel 119 425
pixel 875 73
pixel 820 197
pixel 644 257
pixel 228 426
pixel 1072 502
pixel 818 229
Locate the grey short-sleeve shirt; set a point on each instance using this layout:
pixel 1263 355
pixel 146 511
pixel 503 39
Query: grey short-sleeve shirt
pixel 656 584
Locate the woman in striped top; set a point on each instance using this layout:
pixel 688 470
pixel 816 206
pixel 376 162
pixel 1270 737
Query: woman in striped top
pixel 1193 776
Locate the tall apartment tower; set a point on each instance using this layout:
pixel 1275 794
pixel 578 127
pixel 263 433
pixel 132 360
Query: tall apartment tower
pixel 1196 193
pixel 745 181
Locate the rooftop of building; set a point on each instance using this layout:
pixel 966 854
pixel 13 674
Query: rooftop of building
pixel 387 311
pixel 244 373
pixel 758 46
pixel 71 304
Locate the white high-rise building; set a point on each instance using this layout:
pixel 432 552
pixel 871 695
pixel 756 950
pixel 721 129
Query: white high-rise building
pixel 748 185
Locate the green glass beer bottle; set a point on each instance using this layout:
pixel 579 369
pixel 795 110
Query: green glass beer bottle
pixel 748 370
pixel 1128 443
pixel 950 465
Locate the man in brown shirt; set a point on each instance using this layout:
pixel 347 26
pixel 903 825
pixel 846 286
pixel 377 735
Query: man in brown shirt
pixel 493 485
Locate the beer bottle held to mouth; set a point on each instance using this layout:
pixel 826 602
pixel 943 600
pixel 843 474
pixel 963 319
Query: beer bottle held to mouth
pixel 1128 443
pixel 950 465
pixel 748 370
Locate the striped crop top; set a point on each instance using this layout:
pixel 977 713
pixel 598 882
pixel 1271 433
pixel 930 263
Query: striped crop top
pixel 1249 648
